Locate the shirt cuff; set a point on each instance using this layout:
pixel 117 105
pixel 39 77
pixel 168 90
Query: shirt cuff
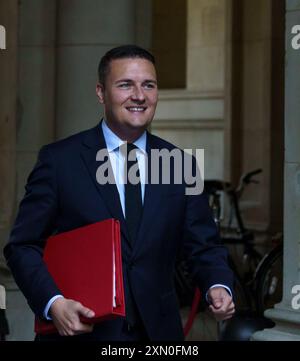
pixel 47 317
pixel 218 285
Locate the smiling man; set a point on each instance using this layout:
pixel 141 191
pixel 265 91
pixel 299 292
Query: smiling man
pixel 158 221
pixel 128 90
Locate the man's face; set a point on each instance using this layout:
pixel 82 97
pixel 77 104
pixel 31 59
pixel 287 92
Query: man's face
pixel 129 96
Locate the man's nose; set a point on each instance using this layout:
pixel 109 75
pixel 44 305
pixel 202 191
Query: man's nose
pixel 138 94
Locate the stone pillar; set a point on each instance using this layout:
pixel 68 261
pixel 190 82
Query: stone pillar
pixel 86 30
pixel 33 103
pixel 36 98
pixel 206 34
pixel 255 121
pixel 8 100
pixel 286 317
pixel 143 23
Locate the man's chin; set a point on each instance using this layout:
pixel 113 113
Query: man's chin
pixel 138 125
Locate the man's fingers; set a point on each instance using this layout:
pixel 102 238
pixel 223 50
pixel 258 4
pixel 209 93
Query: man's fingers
pixel 76 328
pixel 222 309
pixel 217 302
pixel 222 303
pixel 214 310
pixel 221 316
pixel 66 316
pixel 84 328
pixel 223 313
pixel 84 311
pixel 219 297
pixel 80 328
pixel 231 307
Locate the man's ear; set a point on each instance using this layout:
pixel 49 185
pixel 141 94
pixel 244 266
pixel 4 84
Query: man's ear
pixel 100 92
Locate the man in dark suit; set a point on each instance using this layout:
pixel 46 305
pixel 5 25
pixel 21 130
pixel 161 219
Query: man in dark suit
pixel 158 221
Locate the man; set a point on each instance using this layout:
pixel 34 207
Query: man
pixel 157 221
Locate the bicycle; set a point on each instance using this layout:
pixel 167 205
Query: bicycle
pixel 259 285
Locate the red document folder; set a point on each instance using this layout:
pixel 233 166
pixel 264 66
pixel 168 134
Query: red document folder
pixel 86 265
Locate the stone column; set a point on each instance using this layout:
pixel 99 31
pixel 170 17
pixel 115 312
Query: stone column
pixel 206 34
pixel 8 100
pixel 36 98
pixel 256 102
pixel 27 119
pixel 30 94
pixel 86 30
pixel 287 317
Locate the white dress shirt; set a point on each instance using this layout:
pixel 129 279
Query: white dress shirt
pixel 117 160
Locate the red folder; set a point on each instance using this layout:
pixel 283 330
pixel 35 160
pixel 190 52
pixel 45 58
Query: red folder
pixel 86 266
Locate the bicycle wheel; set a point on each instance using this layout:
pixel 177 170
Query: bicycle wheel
pixel 269 280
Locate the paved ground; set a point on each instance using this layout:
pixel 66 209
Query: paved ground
pixel 204 328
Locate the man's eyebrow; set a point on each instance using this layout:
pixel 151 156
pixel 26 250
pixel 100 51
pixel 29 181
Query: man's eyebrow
pixel 124 81
pixel 150 81
pixel 131 81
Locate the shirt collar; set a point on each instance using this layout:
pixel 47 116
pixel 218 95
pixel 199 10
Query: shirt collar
pixel 113 141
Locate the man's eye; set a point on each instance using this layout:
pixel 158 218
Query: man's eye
pixel 149 86
pixel 124 85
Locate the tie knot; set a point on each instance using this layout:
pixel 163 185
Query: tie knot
pixel 130 147
pixel 126 148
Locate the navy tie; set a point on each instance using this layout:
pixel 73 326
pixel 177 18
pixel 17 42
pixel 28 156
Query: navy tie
pixel 133 194
pixel 133 212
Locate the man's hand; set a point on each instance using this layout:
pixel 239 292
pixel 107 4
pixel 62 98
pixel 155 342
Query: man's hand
pixel 65 315
pixel 221 304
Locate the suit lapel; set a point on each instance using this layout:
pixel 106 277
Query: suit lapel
pixel 94 142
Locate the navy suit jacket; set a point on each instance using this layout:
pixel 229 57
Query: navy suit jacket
pixel 62 194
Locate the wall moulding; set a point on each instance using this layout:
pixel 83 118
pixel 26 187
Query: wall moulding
pixel 190 105
pixel 188 124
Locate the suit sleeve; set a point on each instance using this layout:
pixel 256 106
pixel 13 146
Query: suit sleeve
pixel 35 221
pixel 206 257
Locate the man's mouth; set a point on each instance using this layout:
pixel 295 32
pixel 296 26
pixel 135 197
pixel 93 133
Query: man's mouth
pixel 135 109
